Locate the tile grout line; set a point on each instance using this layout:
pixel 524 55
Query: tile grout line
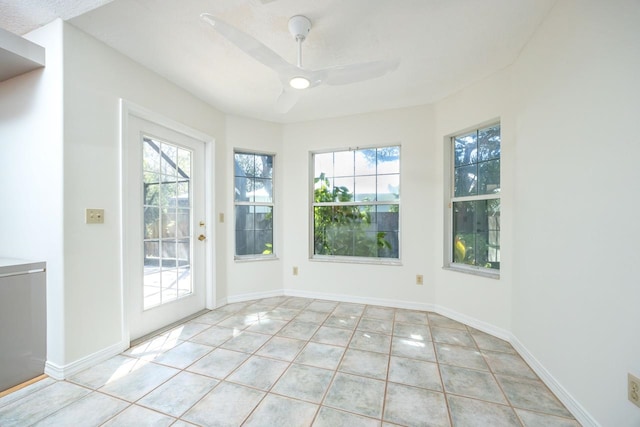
pixel 435 354
pixel 244 310
pixel 493 375
pixel 279 377
pixel 335 371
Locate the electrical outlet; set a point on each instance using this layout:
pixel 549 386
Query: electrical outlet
pixel 419 279
pixel 295 271
pixel 634 390
pixel 221 217
pixel 94 216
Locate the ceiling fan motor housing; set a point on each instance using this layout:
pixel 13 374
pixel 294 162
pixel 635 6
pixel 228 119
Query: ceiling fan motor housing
pixel 299 27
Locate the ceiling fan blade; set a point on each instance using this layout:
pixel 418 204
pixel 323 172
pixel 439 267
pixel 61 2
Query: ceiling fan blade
pixel 248 44
pixel 287 99
pixel 346 74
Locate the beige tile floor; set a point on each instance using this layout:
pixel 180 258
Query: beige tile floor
pixel 287 361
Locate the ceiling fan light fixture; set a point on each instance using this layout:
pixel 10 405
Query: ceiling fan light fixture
pixel 299 82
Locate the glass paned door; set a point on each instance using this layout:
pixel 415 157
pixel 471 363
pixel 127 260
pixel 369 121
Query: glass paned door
pixel 165 234
pixel 168 219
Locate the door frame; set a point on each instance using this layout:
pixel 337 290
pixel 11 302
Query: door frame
pixel 128 184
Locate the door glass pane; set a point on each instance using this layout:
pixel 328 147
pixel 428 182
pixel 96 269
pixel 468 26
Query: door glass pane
pixel 167 222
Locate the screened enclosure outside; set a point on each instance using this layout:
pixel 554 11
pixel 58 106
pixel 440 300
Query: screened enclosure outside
pixel 476 198
pixel 167 222
pixel 356 203
pixel 254 204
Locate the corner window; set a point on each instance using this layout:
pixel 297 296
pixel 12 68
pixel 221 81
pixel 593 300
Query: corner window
pixel 475 200
pixel 254 204
pixel 356 204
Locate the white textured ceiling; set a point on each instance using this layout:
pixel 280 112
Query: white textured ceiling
pixel 22 16
pixel 443 45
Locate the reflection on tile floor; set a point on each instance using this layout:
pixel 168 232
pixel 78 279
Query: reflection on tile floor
pixel 287 361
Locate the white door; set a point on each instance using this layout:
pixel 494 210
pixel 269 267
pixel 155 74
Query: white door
pixel 165 230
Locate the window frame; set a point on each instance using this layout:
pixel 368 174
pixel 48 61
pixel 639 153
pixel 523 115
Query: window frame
pixel 450 198
pixel 312 204
pixel 256 257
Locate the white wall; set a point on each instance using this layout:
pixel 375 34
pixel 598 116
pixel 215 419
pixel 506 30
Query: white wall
pixel 248 277
pixel 31 146
pixel 482 298
pixel 568 290
pixel 95 78
pixel 412 128
pixel 575 267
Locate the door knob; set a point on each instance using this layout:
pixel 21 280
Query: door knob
pixel 201 237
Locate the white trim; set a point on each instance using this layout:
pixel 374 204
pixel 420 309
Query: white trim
pixel 254 295
pixel 576 409
pixel 356 260
pixel 210 209
pixel 474 323
pixel 58 372
pixel 473 269
pixel 360 300
pixel 128 109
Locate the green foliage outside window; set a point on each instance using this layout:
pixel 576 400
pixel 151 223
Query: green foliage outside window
pixel 344 229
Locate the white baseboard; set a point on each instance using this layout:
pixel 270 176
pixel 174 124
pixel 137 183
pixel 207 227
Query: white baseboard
pixel 554 385
pixel 58 372
pixel 474 323
pixel 254 295
pixel 409 305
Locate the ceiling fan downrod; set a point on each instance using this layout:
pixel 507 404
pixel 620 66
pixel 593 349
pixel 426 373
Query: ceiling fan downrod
pixel 299 27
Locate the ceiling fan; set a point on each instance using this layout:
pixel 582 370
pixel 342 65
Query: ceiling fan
pixel 295 79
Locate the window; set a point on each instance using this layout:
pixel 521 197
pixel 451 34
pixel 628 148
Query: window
pixel 475 199
pixel 254 204
pixel 356 203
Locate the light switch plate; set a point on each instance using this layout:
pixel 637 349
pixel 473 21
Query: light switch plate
pixel 94 216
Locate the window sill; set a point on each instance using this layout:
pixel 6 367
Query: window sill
pixel 356 260
pixel 250 258
pixel 476 271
